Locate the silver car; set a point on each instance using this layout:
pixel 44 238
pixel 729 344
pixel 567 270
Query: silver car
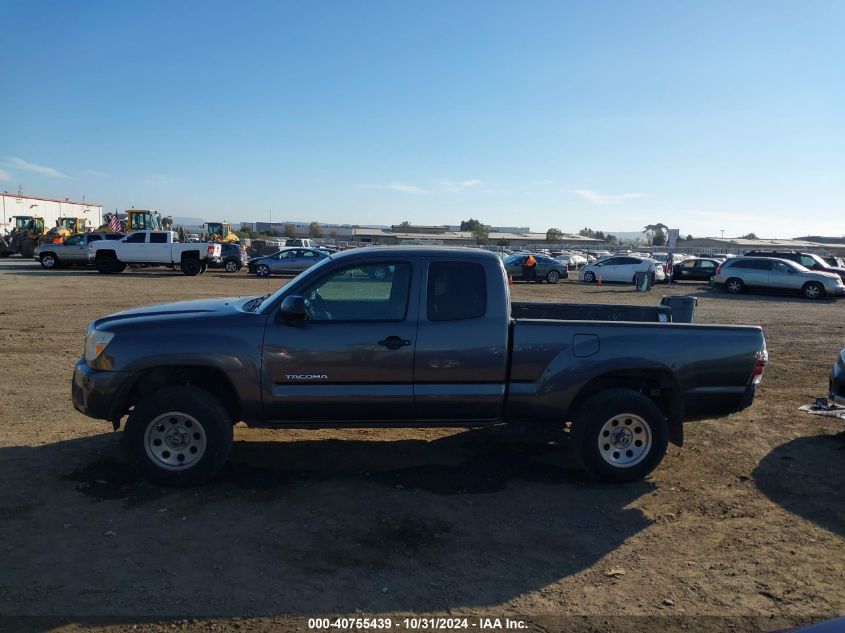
pixel 776 275
pixel 287 260
pixel 74 250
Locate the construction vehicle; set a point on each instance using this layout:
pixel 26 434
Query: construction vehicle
pixel 135 220
pixel 65 227
pixel 220 232
pixel 24 237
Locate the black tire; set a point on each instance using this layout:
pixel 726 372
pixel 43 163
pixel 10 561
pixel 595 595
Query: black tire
pixel 262 270
pixel 119 267
pixel 107 264
pixel 49 261
pixel 191 267
pixel 203 267
pixel 735 286
pixel 813 290
pixel 231 266
pixel 28 248
pixel 171 408
pixel 590 277
pixel 553 277
pixel 646 421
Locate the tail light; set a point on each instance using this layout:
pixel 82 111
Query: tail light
pixel 210 250
pixel 759 366
pixel 719 269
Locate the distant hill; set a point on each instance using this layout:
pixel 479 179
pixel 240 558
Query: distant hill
pixel 184 220
pixel 627 235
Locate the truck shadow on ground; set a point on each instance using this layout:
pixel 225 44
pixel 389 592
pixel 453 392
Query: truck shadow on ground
pixel 325 526
pixel 806 477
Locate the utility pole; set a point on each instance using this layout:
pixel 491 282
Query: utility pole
pixel 723 233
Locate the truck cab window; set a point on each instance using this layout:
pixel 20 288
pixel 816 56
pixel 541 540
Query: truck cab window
pixel 158 238
pixel 364 292
pixel 136 238
pixel 456 291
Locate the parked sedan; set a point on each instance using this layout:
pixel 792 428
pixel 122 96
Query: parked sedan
pixel 232 258
pixel 547 268
pixel 776 275
pixel 621 268
pixel 287 260
pixel 74 250
pixel 695 269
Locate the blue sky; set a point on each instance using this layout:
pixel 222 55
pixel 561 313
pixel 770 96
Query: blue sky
pixel 704 116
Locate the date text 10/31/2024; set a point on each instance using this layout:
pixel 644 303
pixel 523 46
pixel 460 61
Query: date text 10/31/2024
pixel 416 624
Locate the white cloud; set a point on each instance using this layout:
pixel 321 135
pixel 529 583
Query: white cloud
pixel 599 198
pixel 5 176
pixel 44 170
pixel 398 186
pixel 456 187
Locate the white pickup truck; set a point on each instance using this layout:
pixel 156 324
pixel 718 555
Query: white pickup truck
pixel 152 248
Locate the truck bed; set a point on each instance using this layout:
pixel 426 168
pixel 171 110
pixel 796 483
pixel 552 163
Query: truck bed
pixel 589 312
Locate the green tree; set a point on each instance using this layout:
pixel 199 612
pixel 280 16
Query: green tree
pixel 481 233
pixel 503 242
pixel 554 235
pixel 405 224
pixel 290 230
pixel 612 239
pixel 749 236
pixel 654 234
pixel 470 225
pixel 314 230
pixel 690 237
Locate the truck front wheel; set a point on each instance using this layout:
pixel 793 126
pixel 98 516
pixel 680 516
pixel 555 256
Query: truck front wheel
pixel 179 436
pixel 619 435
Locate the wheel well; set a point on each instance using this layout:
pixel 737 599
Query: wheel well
pixel 43 253
pixel 106 253
pixel 212 380
pixel 190 255
pixel 658 385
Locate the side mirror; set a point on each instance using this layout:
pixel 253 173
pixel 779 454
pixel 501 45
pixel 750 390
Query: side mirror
pixel 292 309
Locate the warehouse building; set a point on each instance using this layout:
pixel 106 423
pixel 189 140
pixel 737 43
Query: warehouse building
pixel 51 209
pixel 738 245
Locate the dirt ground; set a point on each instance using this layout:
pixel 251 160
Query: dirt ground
pixel 741 529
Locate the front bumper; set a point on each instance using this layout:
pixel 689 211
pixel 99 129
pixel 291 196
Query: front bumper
pixel 836 291
pixel 836 382
pixel 99 394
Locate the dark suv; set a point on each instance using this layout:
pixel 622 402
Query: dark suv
pixel 232 258
pixel 808 260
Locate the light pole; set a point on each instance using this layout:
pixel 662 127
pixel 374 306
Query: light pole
pixel 723 233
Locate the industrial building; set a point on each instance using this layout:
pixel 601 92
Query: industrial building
pixel 739 245
pixel 356 235
pixel 51 209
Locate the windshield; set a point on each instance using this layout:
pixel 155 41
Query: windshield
pixel 270 299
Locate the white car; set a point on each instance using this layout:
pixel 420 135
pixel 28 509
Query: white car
pixel 621 268
pixel 571 260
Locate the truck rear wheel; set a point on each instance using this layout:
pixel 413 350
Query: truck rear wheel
pixel 179 436
pixel 191 267
pixel 619 435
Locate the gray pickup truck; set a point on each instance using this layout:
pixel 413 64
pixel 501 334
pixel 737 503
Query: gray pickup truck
pixel 435 342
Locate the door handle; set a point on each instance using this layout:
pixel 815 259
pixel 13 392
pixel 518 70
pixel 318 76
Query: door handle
pixel 394 342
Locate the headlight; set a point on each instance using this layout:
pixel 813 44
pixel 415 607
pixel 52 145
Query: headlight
pixel 95 344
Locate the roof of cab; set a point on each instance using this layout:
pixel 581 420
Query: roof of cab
pixel 381 252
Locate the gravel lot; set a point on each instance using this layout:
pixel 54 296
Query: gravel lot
pixel 746 521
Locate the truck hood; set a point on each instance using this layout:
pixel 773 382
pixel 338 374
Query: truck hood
pixel 181 309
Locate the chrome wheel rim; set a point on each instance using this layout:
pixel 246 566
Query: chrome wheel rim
pixel 263 271
pixel 812 292
pixel 175 441
pixel 231 267
pixel 590 277
pixel 734 286
pixel 380 274
pixel 624 440
pixel 48 261
pixel 554 277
